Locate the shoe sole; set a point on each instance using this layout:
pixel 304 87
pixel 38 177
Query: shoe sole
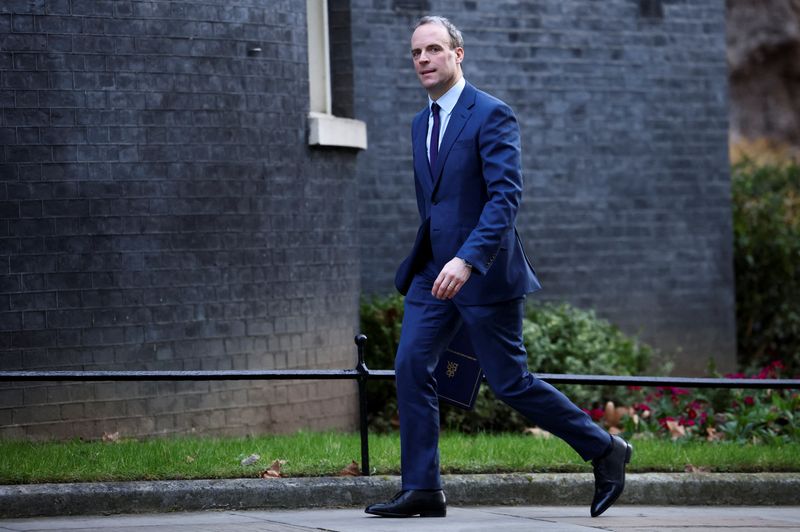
pixel 442 513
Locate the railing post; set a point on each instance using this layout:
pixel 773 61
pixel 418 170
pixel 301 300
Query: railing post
pixel 363 373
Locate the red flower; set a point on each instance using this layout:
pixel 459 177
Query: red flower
pixel 674 390
pixel 634 388
pixel 663 421
pixel 595 413
pixel 749 401
pixel 641 406
pixel 692 413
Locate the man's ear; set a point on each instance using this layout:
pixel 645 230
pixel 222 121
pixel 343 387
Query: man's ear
pixel 459 54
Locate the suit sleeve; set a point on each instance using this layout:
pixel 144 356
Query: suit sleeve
pixel 499 146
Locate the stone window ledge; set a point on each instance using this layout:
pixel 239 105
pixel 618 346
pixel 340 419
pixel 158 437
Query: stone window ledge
pixel 329 130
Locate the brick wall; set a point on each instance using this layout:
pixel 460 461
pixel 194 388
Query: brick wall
pixel 623 112
pixel 160 209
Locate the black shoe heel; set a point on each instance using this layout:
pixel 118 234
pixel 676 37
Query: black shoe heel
pixel 436 513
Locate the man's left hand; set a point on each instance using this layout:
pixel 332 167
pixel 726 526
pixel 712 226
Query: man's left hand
pixel 450 280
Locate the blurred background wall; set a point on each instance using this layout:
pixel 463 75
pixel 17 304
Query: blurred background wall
pixel 764 66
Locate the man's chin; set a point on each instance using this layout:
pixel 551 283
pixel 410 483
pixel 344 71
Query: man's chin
pixel 429 84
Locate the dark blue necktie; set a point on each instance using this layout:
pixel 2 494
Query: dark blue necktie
pixel 434 135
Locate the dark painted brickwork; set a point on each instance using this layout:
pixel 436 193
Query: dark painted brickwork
pixel 623 110
pixel 160 209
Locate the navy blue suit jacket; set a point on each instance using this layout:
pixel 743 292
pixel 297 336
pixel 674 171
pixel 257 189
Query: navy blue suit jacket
pixel 468 203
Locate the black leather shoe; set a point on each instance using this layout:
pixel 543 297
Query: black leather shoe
pixel 409 503
pixel 609 475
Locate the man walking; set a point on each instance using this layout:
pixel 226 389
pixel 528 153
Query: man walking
pixel 468 268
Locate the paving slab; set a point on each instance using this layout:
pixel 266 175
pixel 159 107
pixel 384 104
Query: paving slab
pixel 463 519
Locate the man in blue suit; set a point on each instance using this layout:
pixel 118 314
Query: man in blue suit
pixel 468 268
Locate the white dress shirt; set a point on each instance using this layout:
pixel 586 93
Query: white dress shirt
pixel 447 102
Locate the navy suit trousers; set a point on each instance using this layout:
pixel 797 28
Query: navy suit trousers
pixel 495 330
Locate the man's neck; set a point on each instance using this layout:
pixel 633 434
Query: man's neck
pixel 450 86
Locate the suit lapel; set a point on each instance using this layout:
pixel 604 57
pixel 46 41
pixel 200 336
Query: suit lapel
pixel 459 117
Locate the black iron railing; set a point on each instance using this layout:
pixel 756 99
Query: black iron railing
pixel 362 374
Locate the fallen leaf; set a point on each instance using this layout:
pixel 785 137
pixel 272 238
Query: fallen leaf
pixel 694 469
pixel 274 470
pixel 610 414
pixel 536 432
pixel 189 459
pixel 250 460
pixel 713 435
pixel 111 437
pixel 675 430
pixel 353 470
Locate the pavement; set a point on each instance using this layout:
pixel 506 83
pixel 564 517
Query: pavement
pixel 482 518
pixel 463 491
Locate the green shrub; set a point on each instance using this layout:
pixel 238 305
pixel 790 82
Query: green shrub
pixel 565 339
pixel 766 223
pixel 381 319
pixel 558 338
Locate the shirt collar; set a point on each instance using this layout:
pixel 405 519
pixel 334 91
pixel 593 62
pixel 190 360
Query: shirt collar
pixel 449 99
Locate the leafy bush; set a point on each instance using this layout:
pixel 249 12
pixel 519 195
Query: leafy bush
pixel 381 320
pixel 766 223
pixel 558 338
pixel 564 339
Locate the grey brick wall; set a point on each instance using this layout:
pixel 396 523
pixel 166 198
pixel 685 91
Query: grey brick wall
pixel 623 110
pixel 160 209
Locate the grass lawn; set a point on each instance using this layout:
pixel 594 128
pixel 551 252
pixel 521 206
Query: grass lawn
pixel 318 454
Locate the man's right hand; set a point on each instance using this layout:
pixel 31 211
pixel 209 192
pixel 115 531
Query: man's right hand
pixel 450 280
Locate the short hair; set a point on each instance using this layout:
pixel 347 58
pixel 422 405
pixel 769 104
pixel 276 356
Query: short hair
pixel 456 40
